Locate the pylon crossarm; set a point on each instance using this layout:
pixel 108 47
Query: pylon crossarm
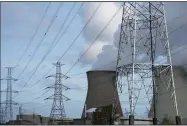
pixel 65 98
pixel 52 86
pixel 61 75
pixel 66 88
pixel 58 110
pixel 51 97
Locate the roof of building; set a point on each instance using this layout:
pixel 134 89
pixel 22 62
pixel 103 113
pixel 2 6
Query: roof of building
pixel 101 71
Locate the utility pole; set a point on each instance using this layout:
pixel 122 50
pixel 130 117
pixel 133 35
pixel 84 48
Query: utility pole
pixel 58 110
pixel 143 32
pixel 20 113
pixel 34 116
pixel 9 102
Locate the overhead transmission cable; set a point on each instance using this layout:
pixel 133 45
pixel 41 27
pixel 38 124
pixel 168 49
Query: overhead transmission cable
pixel 174 48
pixel 32 38
pixel 106 82
pixel 99 35
pixel 157 55
pixel 38 97
pixel 50 49
pixel 130 54
pixel 73 40
pixel 108 63
pixel 162 93
pixel 94 39
pixel 40 42
pixel 139 98
pixel 80 32
pixel 81 56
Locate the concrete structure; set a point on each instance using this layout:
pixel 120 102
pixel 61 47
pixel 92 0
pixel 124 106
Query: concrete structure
pixel 44 120
pixel 82 122
pixel 19 122
pixel 35 119
pixel 125 121
pixel 164 105
pixel 39 120
pixel 101 90
pixel 31 119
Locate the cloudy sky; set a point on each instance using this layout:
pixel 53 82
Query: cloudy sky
pixel 19 21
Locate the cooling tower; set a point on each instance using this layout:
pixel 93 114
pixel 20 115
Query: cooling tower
pixel 101 90
pixel 164 106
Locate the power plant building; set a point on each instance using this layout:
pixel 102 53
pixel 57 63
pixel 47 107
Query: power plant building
pixel 164 105
pixel 101 85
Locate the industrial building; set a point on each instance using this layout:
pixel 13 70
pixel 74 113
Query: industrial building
pixel 101 90
pixel 164 105
pixel 100 93
pixel 33 119
pixel 29 119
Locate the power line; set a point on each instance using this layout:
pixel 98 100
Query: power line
pixel 175 48
pixel 113 61
pixel 68 25
pixel 163 93
pixel 106 82
pixel 41 106
pixel 73 41
pixel 175 52
pixel 75 63
pixel 94 40
pixel 32 38
pixel 180 27
pixel 130 54
pixel 157 94
pixel 162 53
pixel 40 42
pixel 164 58
pixel 80 32
pixel 48 51
pixel 37 97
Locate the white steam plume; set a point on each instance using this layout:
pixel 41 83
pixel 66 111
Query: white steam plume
pixel 104 51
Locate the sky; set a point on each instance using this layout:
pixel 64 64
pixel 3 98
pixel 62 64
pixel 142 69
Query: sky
pixel 19 21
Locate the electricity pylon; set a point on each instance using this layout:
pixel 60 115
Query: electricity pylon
pixel 58 110
pixel 143 34
pixel 9 102
pixel 2 116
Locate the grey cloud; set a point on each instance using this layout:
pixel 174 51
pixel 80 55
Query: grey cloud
pixel 96 25
pixel 175 14
pixel 98 21
pixel 108 55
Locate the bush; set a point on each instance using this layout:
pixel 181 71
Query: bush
pixel 167 121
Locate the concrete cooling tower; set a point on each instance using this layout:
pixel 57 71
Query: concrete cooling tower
pixel 100 90
pixel 164 106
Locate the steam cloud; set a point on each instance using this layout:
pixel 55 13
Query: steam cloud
pixel 104 51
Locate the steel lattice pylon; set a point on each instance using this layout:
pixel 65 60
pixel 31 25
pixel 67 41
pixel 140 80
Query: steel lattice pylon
pixel 9 102
pixel 58 110
pixel 143 34
pixel 2 116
